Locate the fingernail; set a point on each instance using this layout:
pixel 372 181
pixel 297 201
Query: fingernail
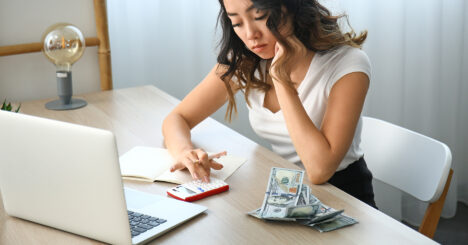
pixel 195 175
pixel 206 179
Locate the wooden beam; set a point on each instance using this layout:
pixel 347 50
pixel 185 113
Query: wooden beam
pixel 37 47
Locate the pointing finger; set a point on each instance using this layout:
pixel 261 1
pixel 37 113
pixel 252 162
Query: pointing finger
pixel 215 165
pixel 177 166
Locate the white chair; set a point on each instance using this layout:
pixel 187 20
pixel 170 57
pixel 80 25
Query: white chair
pixel 411 162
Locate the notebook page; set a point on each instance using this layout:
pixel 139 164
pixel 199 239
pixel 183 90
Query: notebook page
pixel 230 163
pixel 145 162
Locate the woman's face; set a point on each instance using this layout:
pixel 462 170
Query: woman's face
pixel 250 25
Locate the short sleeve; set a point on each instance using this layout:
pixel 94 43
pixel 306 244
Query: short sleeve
pixel 349 61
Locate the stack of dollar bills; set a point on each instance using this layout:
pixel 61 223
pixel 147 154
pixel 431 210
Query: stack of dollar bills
pixel 287 199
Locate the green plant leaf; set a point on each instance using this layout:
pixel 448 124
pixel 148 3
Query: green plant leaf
pixel 9 107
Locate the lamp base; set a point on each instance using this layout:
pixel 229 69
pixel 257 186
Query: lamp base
pixel 58 105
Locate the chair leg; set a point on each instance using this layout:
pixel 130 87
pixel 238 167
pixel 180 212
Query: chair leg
pixel 433 211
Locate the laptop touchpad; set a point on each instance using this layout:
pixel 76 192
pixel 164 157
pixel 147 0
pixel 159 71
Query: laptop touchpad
pixel 137 200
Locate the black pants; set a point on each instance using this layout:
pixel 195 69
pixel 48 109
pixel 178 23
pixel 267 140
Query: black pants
pixel 355 180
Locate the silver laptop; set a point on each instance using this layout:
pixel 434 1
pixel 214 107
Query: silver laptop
pixel 67 176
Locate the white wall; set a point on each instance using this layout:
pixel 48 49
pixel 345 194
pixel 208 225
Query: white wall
pixel 32 76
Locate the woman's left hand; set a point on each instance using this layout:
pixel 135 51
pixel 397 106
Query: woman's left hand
pixel 279 50
pixel 295 47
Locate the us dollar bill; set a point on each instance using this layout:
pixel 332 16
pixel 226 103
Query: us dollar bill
pixel 307 197
pixel 323 213
pixel 287 199
pixel 283 191
pixel 312 199
pixel 293 213
pixel 304 195
pixel 255 213
pixel 339 221
pixel 302 211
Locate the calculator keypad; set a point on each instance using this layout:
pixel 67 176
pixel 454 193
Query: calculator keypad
pixel 199 186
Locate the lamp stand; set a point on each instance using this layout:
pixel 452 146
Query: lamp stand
pixel 65 92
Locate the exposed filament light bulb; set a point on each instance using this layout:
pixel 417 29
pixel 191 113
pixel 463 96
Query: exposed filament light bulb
pixel 63 45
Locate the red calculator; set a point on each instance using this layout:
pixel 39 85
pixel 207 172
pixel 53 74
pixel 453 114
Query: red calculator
pixel 197 189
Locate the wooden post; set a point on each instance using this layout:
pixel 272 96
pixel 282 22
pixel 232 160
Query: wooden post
pixel 100 13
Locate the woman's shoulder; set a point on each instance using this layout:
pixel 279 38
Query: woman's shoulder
pixel 344 54
pixel 341 61
pixel 344 59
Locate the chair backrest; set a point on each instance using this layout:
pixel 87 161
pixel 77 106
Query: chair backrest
pixel 409 161
pixel 102 41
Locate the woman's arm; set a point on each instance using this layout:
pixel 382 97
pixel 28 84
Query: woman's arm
pixel 322 150
pixel 200 103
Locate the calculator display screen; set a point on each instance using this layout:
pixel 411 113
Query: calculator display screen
pixel 184 190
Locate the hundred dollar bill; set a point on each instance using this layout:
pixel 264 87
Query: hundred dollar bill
pixel 292 213
pixel 299 205
pixel 324 213
pixel 339 221
pixel 284 187
pixel 256 213
pixel 303 211
pixel 307 195
pixel 313 199
pixel 304 195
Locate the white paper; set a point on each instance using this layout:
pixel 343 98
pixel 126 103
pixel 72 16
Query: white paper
pixel 153 164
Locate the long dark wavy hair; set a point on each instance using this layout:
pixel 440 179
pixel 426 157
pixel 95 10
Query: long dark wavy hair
pixel 312 24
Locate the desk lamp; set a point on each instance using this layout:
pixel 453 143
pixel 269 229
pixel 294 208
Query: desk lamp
pixel 63 45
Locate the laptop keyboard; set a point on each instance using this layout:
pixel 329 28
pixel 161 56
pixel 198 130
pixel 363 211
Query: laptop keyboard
pixel 140 223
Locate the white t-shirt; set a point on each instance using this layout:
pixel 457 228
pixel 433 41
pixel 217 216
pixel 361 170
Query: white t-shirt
pixel 324 71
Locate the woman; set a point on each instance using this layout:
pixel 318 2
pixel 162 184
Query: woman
pixel 305 83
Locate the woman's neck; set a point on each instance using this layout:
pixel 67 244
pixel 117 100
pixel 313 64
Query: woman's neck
pixel 300 68
pixel 299 71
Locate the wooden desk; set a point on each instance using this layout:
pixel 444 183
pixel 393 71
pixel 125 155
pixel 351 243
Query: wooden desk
pixel 135 116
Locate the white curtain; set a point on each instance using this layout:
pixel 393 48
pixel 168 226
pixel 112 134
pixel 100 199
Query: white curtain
pixel 419 53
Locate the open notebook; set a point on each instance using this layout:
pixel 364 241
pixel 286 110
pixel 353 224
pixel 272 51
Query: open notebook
pixel 153 164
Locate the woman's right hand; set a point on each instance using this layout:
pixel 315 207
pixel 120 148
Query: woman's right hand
pixel 198 163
